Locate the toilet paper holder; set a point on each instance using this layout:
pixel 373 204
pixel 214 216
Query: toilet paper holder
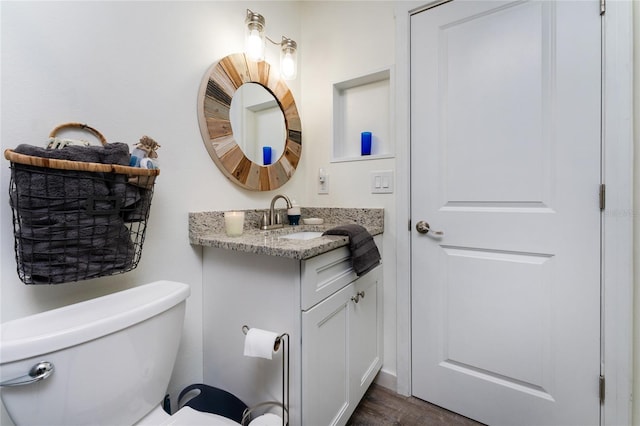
pixel 279 342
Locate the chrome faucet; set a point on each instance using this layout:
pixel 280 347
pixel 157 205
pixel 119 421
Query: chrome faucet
pixel 273 221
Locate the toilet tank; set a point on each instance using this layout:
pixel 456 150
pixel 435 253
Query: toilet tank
pixel 112 356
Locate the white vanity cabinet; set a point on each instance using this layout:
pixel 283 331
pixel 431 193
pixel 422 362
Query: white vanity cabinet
pixel 341 350
pixel 333 317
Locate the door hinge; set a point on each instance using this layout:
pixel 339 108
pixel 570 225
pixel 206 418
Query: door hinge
pixel 602 389
pixel 603 7
pixel 602 196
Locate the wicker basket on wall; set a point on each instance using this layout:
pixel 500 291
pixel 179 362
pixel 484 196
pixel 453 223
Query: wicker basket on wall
pixel 76 220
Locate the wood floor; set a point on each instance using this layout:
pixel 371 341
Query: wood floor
pixel 382 407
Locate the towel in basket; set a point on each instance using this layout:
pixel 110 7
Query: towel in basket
pixel 75 214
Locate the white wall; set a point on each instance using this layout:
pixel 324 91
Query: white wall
pixel 342 41
pixel 129 69
pixel 636 212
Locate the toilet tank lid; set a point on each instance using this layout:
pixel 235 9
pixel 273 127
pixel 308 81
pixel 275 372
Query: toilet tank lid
pixel 80 322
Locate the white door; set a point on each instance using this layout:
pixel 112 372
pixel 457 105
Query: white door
pixel 505 161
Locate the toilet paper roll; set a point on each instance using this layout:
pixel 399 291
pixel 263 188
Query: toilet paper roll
pixel 260 343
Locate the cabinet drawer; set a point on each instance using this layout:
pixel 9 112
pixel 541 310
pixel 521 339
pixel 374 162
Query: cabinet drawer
pixel 325 274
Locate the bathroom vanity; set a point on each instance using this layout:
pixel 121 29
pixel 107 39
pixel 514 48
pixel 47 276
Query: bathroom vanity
pixel 341 336
pixel 306 288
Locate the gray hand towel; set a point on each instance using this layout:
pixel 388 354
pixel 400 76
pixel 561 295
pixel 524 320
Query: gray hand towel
pixel 364 252
pixel 113 153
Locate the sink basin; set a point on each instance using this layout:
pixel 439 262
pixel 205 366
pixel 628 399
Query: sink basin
pixel 305 235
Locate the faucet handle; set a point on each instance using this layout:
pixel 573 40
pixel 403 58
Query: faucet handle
pixel 265 220
pixel 278 218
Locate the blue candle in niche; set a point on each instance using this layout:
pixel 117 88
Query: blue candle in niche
pixel 266 155
pixel 365 143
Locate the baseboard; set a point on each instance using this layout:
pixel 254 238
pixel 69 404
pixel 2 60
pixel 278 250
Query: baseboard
pixel 387 380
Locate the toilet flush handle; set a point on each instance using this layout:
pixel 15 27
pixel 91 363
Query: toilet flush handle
pixel 38 372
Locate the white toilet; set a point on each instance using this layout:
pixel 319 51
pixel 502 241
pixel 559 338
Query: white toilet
pixel 105 361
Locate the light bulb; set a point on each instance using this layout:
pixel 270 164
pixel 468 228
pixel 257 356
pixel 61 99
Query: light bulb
pixel 255 45
pixel 288 66
pixel 254 38
pixel 288 62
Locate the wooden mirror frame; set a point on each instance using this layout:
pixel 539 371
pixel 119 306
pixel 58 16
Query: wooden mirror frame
pixel 214 103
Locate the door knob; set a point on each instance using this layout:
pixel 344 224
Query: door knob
pixel 424 228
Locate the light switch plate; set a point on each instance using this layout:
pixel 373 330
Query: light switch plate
pixel 323 181
pixel 382 182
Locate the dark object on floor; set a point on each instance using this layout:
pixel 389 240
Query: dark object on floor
pixel 214 400
pixel 383 407
pixel 364 252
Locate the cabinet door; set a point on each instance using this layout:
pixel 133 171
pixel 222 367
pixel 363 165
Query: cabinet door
pixel 365 333
pixel 325 360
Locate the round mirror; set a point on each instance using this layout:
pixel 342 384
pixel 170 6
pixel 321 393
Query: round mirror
pixel 257 123
pixel 239 157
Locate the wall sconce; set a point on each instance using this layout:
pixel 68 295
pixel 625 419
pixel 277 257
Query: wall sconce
pixel 255 40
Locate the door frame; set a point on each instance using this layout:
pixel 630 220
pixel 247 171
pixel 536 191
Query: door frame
pixel 617 220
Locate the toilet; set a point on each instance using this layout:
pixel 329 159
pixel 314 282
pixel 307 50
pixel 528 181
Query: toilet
pixel 105 361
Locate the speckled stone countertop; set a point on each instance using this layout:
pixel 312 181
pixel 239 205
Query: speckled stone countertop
pixel 207 229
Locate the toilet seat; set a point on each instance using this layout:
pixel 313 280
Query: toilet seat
pixel 186 416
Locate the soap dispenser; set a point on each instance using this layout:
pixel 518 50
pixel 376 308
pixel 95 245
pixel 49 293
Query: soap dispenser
pixel 293 214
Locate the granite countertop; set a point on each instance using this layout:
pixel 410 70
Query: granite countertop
pixel 207 229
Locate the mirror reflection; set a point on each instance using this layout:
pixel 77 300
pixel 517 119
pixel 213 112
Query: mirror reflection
pixel 257 121
pixel 218 91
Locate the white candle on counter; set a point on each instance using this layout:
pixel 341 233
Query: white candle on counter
pixel 233 223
